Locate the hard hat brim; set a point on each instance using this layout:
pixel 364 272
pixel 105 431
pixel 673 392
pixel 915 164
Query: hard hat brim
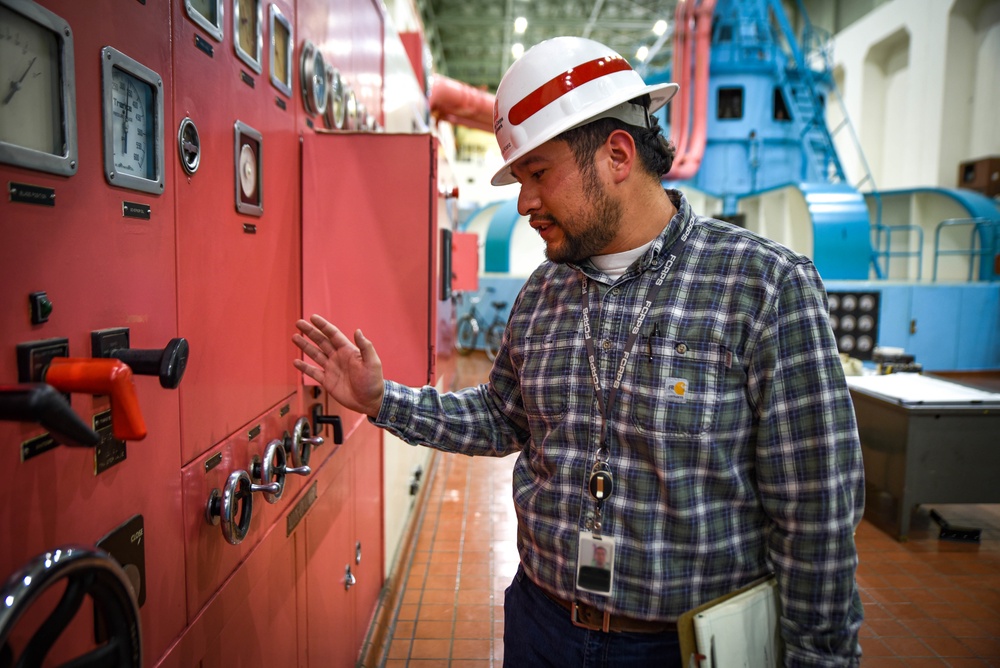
pixel 660 94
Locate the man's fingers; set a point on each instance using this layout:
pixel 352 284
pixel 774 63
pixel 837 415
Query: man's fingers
pixel 309 370
pixel 329 332
pixel 367 349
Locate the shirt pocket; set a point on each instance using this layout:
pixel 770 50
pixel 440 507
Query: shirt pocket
pixel 550 364
pixel 678 386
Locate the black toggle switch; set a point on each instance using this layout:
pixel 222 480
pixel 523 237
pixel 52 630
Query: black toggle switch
pixel 318 419
pixel 44 404
pixel 168 364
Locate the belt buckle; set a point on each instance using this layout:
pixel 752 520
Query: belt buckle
pixel 574 616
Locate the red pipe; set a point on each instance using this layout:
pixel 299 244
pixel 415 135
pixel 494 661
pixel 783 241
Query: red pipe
pixel 686 165
pixel 460 103
pixel 682 68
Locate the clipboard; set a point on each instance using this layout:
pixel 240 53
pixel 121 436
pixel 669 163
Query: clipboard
pixel 741 628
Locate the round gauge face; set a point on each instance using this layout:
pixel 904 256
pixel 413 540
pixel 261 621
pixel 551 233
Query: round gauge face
pixel 335 106
pixel 133 125
pixel 30 88
pixel 248 172
pixel 352 110
pixel 319 89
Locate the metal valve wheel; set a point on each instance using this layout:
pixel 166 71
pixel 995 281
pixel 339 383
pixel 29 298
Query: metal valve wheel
pixel 87 572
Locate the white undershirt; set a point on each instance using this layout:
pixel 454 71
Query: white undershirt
pixel 615 264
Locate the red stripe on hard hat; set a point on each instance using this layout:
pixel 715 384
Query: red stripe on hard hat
pixel 558 86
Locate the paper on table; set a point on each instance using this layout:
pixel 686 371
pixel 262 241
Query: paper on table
pixel 914 388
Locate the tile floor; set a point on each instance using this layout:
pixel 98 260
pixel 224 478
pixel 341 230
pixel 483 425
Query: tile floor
pixel 927 602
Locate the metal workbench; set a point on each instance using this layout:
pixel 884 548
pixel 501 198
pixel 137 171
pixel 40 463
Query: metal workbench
pixel 925 440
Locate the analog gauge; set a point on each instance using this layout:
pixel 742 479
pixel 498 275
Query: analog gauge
pixel 313 78
pixel 207 14
pixel 133 123
pixel 281 51
pixel 336 107
pixel 248 163
pixel 352 110
pixel 247 36
pixel 37 89
pixel 247 167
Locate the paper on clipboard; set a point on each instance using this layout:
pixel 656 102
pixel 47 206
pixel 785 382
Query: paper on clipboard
pixel 741 631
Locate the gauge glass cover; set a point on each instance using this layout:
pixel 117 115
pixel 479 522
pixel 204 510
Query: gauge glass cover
pixel 133 123
pixel 281 51
pixel 335 108
pixel 37 89
pixel 207 14
pixel 247 31
pixel 313 78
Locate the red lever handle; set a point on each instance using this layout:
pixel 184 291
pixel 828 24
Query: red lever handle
pixel 102 376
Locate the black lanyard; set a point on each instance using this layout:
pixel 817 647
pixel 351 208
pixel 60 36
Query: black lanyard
pixel 654 291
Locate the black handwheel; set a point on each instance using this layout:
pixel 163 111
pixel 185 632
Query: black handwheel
pixel 87 572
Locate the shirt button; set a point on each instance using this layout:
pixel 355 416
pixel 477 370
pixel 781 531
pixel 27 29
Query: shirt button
pixel 615 291
pixel 607 344
pixel 681 348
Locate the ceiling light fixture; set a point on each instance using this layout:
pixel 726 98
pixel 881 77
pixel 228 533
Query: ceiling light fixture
pixel 516 50
pixel 520 25
pixel 642 53
pixel 659 27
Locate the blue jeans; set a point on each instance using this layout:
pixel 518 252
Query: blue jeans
pixel 538 632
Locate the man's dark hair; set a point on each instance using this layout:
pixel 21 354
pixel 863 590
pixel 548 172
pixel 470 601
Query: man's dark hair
pixel 656 153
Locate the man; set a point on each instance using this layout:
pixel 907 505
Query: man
pixel 669 382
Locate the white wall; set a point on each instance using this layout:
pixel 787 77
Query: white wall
pixel 921 83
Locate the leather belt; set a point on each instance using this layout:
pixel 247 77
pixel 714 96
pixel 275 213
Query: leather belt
pixel 588 617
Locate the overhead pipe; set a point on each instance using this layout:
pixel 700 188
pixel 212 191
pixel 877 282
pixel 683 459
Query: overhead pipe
pixel 687 164
pixel 461 104
pixel 682 69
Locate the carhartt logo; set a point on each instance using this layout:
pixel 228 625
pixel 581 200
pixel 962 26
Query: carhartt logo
pixel 677 389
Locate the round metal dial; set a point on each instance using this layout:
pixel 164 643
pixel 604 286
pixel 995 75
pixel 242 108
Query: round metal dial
pixel 336 106
pixel 248 172
pixel 352 110
pixel 314 82
pixel 37 97
pixel 207 14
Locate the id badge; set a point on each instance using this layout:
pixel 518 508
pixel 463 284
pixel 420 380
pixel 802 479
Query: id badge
pixel 595 564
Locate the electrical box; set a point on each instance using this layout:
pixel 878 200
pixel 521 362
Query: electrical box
pixel 982 175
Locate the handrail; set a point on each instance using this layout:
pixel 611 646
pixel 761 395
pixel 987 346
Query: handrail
pixel 888 253
pixel 978 225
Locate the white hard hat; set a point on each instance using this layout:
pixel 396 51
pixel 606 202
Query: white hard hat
pixel 559 84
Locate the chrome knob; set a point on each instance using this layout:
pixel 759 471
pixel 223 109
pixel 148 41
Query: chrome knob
pixel 300 443
pixel 222 507
pixel 349 579
pixel 271 470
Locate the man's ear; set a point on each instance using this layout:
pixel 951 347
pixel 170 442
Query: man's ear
pixel 621 154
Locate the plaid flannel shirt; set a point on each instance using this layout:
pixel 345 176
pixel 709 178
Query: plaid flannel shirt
pixel 752 465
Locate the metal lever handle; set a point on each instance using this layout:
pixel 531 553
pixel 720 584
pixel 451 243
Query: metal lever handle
pixel 271 470
pixel 270 488
pixel 222 507
pixel 298 470
pixel 169 364
pixel 349 579
pixel 318 419
pixel 42 403
pixel 300 442
pixel 102 376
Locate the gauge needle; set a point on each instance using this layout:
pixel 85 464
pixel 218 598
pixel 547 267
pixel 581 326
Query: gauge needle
pixel 16 85
pixel 128 94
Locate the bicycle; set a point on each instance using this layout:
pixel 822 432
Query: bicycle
pixel 468 329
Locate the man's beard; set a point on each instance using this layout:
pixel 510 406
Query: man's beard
pixel 597 228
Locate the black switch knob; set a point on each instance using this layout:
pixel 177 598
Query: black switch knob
pixel 44 404
pixel 318 419
pixel 168 364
